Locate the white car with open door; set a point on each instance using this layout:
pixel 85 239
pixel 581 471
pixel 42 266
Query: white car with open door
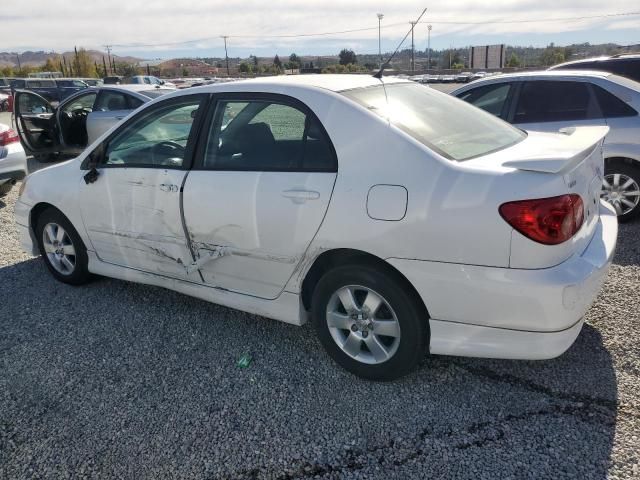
pixel 551 100
pixel 400 219
pixel 78 120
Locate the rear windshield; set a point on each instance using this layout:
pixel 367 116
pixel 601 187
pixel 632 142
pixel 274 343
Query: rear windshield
pixel 453 128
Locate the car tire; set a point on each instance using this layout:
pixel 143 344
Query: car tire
pixel 62 249
pixel 364 349
pixel 627 173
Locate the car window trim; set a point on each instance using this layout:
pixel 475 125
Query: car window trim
pixel 278 98
pixel 191 141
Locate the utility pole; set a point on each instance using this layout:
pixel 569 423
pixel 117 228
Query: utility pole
pixel 108 47
pixel 226 55
pixel 413 49
pixel 380 16
pixel 428 47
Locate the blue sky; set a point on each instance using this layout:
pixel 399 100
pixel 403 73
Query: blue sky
pixel 164 29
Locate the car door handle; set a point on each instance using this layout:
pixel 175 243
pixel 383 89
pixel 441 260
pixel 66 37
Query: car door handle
pixel 120 117
pixel 301 195
pixel 168 187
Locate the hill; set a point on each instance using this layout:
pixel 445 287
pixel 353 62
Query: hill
pixel 35 59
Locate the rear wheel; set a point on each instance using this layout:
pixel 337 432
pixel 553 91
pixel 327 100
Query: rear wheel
pixel 369 322
pixel 621 188
pixel 62 248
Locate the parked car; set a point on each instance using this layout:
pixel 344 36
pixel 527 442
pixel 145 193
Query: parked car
pixel 396 217
pixel 53 90
pixel 463 77
pixel 78 120
pixel 477 76
pixel 147 80
pixel 112 80
pixel 625 65
pixel 93 82
pixel 13 160
pixel 551 100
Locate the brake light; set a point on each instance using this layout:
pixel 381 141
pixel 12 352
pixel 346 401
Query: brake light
pixel 549 221
pixel 7 137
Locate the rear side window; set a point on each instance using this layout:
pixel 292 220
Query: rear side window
pixel 265 135
pixel 490 98
pixel 109 101
pixel 454 129
pixel 554 101
pixel 611 106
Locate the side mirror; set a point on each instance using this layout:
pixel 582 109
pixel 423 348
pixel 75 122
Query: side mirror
pixel 94 160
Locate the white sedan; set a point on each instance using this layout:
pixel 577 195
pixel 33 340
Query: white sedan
pixel 398 219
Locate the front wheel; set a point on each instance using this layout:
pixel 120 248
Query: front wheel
pixel 369 322
pixel 621 188
pixel 62 248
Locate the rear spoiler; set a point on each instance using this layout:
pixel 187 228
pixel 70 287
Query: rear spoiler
pixel 565 150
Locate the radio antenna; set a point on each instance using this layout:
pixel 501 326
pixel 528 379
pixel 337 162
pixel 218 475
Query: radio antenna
pixel 378 74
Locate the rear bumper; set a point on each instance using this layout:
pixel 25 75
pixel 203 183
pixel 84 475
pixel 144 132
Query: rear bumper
pixel 512 313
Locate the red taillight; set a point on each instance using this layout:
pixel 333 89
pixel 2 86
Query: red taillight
pixel 546 220
pixel 7 137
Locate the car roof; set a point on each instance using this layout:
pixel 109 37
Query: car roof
pixel 553 74
pixel 604 58
pixel 128 87
pixel 332 82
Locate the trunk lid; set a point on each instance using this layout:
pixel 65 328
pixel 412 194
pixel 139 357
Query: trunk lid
pixel 554 164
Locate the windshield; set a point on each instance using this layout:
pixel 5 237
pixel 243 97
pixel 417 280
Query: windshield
pixel 450 127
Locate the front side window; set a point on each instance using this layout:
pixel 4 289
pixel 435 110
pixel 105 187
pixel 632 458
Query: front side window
pixel 490 98
pixel 266 136
pixel 157 138
pixel 28 103
pixel 554 101
pixel 454 129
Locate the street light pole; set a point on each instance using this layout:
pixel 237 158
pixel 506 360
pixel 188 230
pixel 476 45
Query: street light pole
pixel 428 47
pixel 380 16
pixel 226 55
pixel 413 49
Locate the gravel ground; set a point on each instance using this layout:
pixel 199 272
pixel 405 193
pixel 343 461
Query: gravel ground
pixel 118 380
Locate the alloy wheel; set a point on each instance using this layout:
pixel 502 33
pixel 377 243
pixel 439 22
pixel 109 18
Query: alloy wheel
pixel 621 191
pixel 363 324
pixel 59 248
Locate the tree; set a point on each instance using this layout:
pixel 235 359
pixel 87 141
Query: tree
pixel 83 65
pixel 245 68
pixel 277 62
pixel 294 61
pixel 514 61
pixel 255 60
pixel 51 65
pixel 347 57
pixel 552 55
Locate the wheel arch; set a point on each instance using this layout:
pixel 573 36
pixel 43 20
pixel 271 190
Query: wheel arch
pixel 37 210
pixel 621 159
pixel 347 256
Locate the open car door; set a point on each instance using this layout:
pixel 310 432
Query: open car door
pixel 36 123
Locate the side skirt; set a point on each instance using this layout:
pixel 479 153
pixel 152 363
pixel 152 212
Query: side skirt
pixel 286 308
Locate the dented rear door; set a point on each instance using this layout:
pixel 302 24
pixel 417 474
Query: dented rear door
pixel 258 193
